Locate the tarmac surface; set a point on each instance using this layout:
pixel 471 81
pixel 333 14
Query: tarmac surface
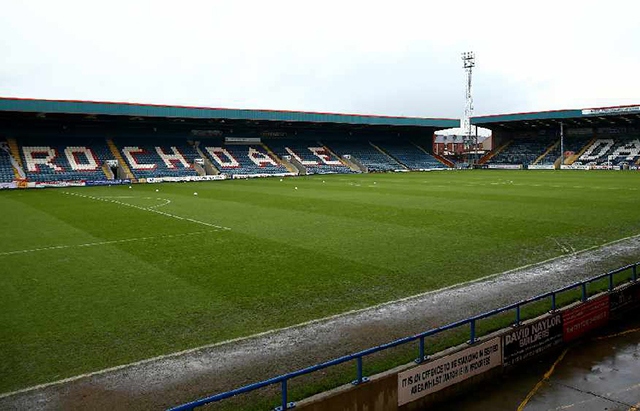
pixel 601 373
pixel 173 379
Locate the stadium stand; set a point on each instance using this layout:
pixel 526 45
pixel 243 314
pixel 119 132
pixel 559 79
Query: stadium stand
pixel 6 168
pixel 313 156
pixel 241 160
pixel 369 156
pixel 523 151
pixel 411 156
pixel 615 150
pixel 69 159
pixel 157 157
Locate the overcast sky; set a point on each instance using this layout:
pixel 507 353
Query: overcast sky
pixel 390 58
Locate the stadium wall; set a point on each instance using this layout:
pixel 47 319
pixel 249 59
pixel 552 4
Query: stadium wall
pixel 454 371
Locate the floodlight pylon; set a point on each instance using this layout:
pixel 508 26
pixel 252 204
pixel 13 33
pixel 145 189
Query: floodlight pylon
pixel 470 138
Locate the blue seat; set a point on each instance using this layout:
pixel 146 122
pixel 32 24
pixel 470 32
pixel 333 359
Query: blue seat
pixel 6 169
pixel 411 156
pixel 367 155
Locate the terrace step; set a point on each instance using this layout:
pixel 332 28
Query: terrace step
pixel 355 164
pixel 107 172
pixel 121 163
pixel 351 165
pixel 389 155
pixel 209 168
pixel 494 152
pixel 16 160
pixel 286 164
pixel 571 159
pixel 438 157
pixel 547 151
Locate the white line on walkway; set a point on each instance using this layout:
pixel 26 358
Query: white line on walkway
pixel 304 324
pixel 151 210
pixel 124 240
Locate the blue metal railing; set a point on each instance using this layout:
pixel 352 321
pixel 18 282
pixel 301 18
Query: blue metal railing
pixel 358 356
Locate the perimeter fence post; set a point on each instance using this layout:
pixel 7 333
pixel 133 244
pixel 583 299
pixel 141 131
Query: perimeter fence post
pixel 583 286
pixel 634 272
pixel 359 362
pixel 472 326
pixel 553 301
pixel 420 351
pixel 284 395
pixel 517 315
pixel 610 281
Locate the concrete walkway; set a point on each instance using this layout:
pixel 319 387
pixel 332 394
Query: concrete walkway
pixel 601 373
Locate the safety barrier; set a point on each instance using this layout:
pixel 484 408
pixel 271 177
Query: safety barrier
pixel 582 286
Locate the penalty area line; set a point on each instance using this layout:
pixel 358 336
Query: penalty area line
pixel 149 209
pixel 98 243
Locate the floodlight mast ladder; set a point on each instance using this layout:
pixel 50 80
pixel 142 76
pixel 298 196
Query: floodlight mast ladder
pixel 470 140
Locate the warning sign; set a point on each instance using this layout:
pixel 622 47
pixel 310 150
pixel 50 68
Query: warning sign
pixel 433 376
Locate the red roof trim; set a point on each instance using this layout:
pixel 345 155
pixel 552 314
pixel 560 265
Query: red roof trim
pixel 218 108
pixel 554 111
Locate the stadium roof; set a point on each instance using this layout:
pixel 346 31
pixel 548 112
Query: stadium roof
pixel 588 117
pixel 141 111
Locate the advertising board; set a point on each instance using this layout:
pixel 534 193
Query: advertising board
pixel 244 176
pixel 151 180
pixel 505 166
pixel 106 183
pixel 541 167
pixel 531 339
pixel 10 185
pixel 625 299
pixel 44 184
pixel 436 375
pixel 585 317
pixel 610 110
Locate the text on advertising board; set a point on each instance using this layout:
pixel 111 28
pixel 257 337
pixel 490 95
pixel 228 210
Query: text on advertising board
pixel 435 375
pixel 624 300
pixel 585 317
pixel 531 339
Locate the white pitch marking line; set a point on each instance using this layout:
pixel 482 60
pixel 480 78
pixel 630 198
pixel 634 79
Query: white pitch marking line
pixel 125 240
pixel 166 200
pixel 177 217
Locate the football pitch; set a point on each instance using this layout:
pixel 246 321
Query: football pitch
pixel 96 277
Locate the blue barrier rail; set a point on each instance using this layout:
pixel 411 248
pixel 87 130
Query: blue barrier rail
pixel 358 356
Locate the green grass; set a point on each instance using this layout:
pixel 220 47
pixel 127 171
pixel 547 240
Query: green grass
pixel 335 244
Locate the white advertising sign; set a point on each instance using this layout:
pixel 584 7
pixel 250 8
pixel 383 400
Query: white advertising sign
pixel 610 110
pixel 435 375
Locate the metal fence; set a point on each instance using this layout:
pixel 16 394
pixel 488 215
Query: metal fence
pixel 358 357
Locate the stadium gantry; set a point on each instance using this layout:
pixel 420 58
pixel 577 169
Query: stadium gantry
pixel 49 143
